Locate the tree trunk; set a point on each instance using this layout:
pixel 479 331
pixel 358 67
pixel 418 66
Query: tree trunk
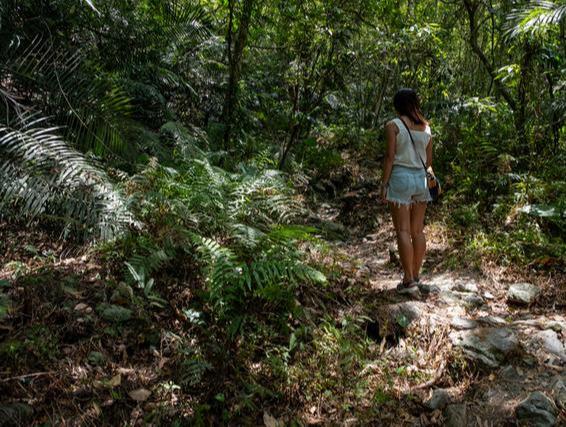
pixel 235 56
pixel 517 107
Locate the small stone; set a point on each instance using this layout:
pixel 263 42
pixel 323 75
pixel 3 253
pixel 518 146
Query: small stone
pixel 488 295
pixel 551 343
pixel 559 392
pixel 492 320
pixel 460 323
pixel 473 301
pixel 509 373
pixel 455 415
pixel 449 298
pixel 439 399
pixel 428 289
pixel 522 293
pixel 466 287
pixel 536 410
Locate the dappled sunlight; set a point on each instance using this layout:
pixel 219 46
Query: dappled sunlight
pixel 213 213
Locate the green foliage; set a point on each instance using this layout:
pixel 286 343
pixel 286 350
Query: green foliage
pixel 43 177
pixel 537 16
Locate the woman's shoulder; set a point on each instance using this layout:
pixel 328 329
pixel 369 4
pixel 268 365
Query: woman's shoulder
pixel 393 124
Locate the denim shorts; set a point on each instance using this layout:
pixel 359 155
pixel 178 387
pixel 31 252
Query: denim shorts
pixel 407 186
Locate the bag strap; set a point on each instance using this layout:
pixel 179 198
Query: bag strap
pixel 413 142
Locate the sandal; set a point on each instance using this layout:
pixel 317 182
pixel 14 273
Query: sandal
pixel 407 287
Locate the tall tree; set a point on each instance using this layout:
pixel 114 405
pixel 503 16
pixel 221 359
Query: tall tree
pixel 235 53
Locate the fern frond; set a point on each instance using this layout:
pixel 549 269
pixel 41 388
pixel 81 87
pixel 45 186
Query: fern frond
pixel 42 176
pixel 141 266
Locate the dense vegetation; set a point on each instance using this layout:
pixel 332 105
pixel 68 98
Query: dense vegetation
pixel 185 144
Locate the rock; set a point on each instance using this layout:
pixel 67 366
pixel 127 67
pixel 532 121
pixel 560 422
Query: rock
pixel 536 410
pixel 473 301
pixel 394 318
pixel 428 289
pixel 509 373
pixel 522 293
pixel 551 343
pixel 466 287
pixel 449 298
pixel 555 326
pixel 490 346
pixel 460 323
pixel 559 393
pixel 114 313
pixel 440 398
pixel 492 320
pixel 488 295
pixel 455 415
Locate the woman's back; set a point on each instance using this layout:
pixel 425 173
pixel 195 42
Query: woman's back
pixel 405 154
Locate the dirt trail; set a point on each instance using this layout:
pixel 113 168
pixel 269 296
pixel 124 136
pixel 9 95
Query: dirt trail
pixel 510 341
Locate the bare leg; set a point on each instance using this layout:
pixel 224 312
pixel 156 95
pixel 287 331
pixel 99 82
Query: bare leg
pixel 417 235
pixel 402 222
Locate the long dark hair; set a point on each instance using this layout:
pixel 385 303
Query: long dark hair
pixel 406 102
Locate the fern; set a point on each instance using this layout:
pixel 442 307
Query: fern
pixel 41 177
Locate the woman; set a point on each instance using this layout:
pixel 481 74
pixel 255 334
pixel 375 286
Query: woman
pixel 404 184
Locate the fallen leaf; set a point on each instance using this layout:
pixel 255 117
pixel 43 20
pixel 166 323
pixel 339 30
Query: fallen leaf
pixel 140 395
pixel 115 381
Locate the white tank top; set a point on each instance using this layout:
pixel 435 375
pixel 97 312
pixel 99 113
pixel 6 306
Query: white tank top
pixel 404 152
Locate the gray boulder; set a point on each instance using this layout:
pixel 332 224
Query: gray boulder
pixel 489 346
pixel 559 392
pixel 537 410
pixel 549 340
pixel 440 398
pixel 522 293
pixel 460 323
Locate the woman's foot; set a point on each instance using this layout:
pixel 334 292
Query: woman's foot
pixel 407 287
pixel 426 289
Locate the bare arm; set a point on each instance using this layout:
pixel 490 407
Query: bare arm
pixel 391 132
pixel 429 154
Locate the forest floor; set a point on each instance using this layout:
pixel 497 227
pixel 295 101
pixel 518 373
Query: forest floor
pixel 481 352
pixel 465 354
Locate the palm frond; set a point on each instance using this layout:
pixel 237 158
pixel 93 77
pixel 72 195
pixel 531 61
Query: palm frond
pixel 93 112
pixel 90 3
pixel 535 17
pixel 185 21
pixel 42 177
